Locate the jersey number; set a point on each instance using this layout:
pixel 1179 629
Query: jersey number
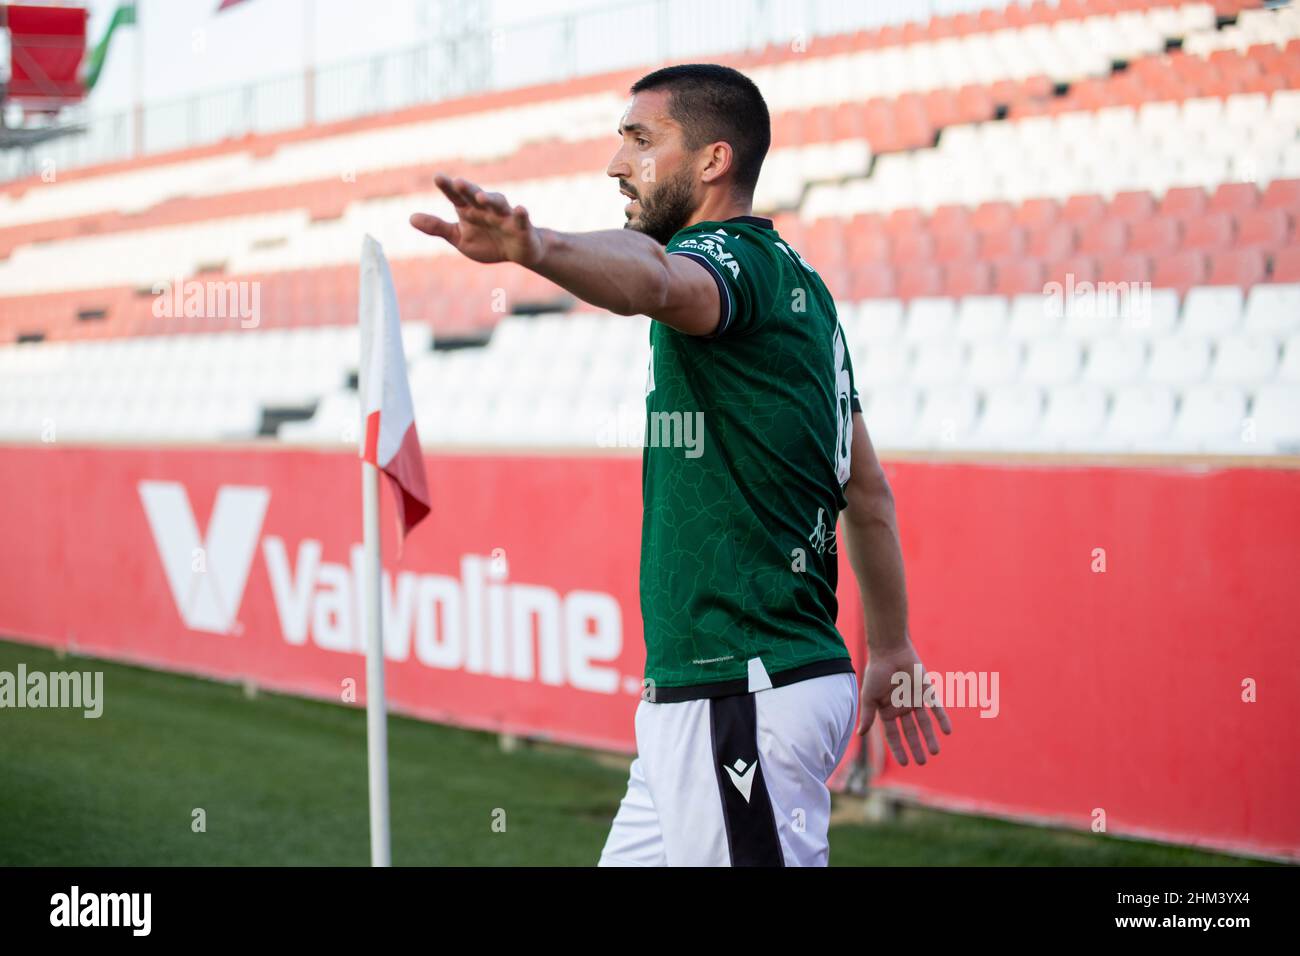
pixel 843 409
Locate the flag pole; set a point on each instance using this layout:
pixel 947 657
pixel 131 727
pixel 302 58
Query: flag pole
pixel 376 706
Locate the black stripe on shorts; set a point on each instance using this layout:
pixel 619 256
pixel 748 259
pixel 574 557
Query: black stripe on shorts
pixel 750 821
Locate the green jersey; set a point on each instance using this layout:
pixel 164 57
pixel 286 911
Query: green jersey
pixel 746 455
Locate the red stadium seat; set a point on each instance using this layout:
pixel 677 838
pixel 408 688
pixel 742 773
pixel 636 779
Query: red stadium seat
pixel 989 216
pixel 1262 229
pixel 1241 267
pixel 1183 202
pixel 955 247
pixel 908 247
pixel 1018 276
pixel 967 278
pixel 867 246
pixel 1208 233
pixel 919 279
pixel 824 243
pixel 871 280
pixel 1286 265
pixel 1180 271
pixel 1052 242
pixel 1008 243
pixel 1082 268
pixel 1082 209
pixel 941 108
pixel 1103 238
pixel 1282 194
pixel 1234 197
pixel 1130 268
pixel 902 221
pixel 1156 236
pixel 1132 206
pixel 975 104
pixel 949 219
pixel 1037 212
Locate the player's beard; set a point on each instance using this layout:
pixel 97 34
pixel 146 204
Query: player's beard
pixel 667 210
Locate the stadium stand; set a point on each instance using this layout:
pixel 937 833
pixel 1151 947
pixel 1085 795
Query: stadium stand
pixel 1068 227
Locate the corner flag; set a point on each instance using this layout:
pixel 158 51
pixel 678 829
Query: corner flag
pixel 390 441
pixel 389 444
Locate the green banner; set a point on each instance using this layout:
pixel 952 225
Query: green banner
pixel 123 16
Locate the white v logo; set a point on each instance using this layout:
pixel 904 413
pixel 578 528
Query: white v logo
pixel 742 777
pixel 206 576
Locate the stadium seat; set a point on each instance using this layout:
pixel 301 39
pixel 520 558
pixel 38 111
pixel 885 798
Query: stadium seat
pixel 1286 265
pixel 1179 361
pixel 1124 268
pixel 1083 209
pixel 1212 418
pixel 1103 238
pixel 1142 417
pixel 1234 197
pixel 1240 267
pixel 1052 362
pixel 1275 414
pixel 1075 417
pixel 967 278
pixel 1288 370
pixel 1115 361
pixel 919 279
pixel 1131 206
pixel 954 246
pixel 1052 242
pixel 1183 202
pixel 1263 229
pixel 1282 194
pixel 1244 360
pixel 1155 236
pixel 931 318
pixel 947 417
pixel 1017 276
pixel 1272 310
pixel 1179 271
pixel 1212 232
pixel 890 415
pixel 938 362
pixel 1010 417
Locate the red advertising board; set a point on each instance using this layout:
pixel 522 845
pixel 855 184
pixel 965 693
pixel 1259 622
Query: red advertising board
pixel 1126 638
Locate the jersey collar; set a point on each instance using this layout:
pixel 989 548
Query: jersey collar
pixel 752 221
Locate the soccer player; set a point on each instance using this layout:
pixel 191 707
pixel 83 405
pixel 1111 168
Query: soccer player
pixel 755 444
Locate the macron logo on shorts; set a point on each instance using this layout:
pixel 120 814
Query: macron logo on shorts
pixel 742 777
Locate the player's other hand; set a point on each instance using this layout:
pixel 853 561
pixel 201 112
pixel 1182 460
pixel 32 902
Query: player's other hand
pixel 881 690
pixel 489 229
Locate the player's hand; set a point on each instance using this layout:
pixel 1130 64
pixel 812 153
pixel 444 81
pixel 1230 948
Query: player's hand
pixel 489 229
pixel 879 690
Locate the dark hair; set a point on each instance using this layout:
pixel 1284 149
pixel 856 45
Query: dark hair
pixel 715 103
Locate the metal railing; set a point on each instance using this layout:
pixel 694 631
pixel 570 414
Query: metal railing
pixel 630 34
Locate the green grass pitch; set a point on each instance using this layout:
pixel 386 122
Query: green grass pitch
pixel 282 781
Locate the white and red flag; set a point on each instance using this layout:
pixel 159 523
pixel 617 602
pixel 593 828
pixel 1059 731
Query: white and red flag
pixel 389 441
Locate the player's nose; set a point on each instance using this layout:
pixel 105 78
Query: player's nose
pixel 618 167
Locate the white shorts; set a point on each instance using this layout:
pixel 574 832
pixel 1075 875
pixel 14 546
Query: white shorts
pixel 735 781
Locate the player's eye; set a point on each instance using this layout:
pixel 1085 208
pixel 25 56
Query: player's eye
pixel 642 141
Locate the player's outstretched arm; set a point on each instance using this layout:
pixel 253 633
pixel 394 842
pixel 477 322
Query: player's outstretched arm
pixel 870 529
pixel 621 270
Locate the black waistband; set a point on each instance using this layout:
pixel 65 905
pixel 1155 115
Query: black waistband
pixel 727 688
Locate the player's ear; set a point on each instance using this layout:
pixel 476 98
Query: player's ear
pixel 718 159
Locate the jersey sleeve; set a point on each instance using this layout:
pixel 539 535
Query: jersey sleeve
pixel 855 403
pixel 745 272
